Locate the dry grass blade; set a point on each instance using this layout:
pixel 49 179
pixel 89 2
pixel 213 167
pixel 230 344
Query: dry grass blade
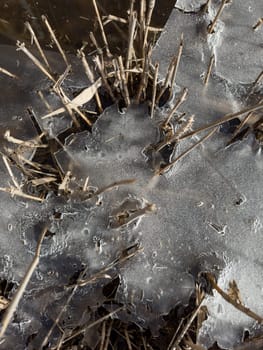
pixel 22 47
pixel 244 122
pixel 53 37
pixel 85 96
pixel 211 27
pixel 114 185
pixel 6 72
pixel 17 192
pixel 232 301
pixel 26 144
pixel 259 78
pixel 21 289
pixel 90 76
pixel 34 39
pixel 124 81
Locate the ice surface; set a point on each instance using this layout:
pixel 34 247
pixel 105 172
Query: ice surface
pixel 190 5
pixel 204 214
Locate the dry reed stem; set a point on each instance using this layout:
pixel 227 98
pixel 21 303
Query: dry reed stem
pixel 232 301
pixel 101 28
pixel 124 81
pixel 22 47
pixel 34 39
pixel 185 153
pixel 5 160
pixel 103 77
pixel 148 20
pixel 114 185
pixel 127 339
pixel 177 61
pixel 209 69
pixel 132 27
pixel 145 72
pixel 16 192
pixel 21 289
pixel 258 24
pixel 211 27
pixel 6 72
pixel 26 144
pixel 156 72
pixel 176 106
pixel 54 38
pixel 226 118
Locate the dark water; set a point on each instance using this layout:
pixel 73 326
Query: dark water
pixel 72 20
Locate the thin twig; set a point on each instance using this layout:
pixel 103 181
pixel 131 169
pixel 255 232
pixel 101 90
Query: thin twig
pixel 124 81
pixel 209 69
pixel 232 301
pixel 21 289
pixel 53 37
pixel 103 77
pixel 211 27
pixel 244 121
pixel 132 27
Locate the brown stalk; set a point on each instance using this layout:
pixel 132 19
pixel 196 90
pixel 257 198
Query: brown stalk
pixel 34 39
pixel 53 37
pixel 16 192
pixel 209 69
pixel 211 27
pixel 21 289
pixel 156 72
pixel 244 121
pixel 114 185
pixel 232 301
pixel 40 94
pixel 127 339
pixel 101 28
pixel 176 106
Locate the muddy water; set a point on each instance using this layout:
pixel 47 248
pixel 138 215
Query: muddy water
pixel 72 20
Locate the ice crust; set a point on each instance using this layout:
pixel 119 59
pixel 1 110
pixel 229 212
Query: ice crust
pixel 238 61
pixel 208 213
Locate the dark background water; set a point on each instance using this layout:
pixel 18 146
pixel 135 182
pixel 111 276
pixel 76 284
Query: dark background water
pixel 71 19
